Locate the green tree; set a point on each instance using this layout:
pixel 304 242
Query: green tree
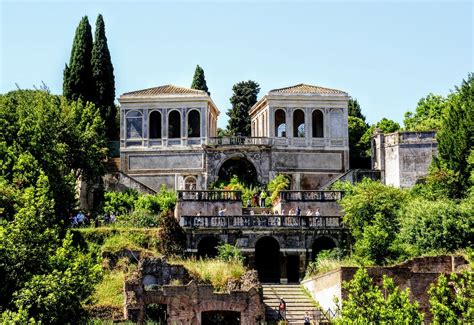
pixel 199 81
pixel 276 185
pixel 370 212
pixel 452 298
pixel 385 125
pixel 436 226
pixel 428 114
pixel 43 274
pixel 104 80
pixel 358 150
pixel 354 109
pixel 456 137
pixel 78 81
pixel 244 97
pixel 365 303
pixel 46 133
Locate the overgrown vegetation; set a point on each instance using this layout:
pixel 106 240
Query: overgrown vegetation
pixel 368 304
pixel 219 271
pixel 139 210
pixel 328 260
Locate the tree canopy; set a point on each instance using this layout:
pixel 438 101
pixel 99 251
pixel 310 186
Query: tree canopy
pixel 456 137
pixel 354 109
pixel 428 114
pixel 78 80
pixel 366 304
pixel 244 97
pixel 45 133
pixel 104 80
pixel 199 81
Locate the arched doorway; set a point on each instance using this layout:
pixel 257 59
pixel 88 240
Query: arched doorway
pixel 240 167
pixel 194 124
pixel 321 244
pixel 267 259
pixel 207 247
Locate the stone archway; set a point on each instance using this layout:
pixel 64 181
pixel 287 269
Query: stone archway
pixel 320 244
pixel 267 259
pixel 207 247
pixel 241 167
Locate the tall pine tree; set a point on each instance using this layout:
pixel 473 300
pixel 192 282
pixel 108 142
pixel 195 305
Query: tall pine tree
pixel 456 137
pixel 199 81
pixel 78 82
pixel 104 80
pixel 244 97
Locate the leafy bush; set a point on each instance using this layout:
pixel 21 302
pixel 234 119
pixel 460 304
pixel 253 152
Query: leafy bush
pixel 172 238
pixel 120 203
pixel 276 185
pixel 229 253
pixel 366 304
pixel 328 260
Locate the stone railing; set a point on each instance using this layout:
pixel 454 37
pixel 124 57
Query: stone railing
pixel 261 221
pixel 310 196
pixel 194 195
pixel 240 141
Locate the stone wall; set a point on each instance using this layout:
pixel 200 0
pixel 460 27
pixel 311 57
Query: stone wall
pixel 416 274
pixel 152 284
pixel 207 208
pixel 403 157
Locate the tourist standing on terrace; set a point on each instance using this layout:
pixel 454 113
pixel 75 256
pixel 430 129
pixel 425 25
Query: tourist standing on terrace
pixel 263 196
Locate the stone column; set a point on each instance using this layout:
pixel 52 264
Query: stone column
pixel 307 125
pixel 289 124
pixel 164 126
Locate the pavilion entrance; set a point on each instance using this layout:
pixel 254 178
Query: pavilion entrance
pixel 267 260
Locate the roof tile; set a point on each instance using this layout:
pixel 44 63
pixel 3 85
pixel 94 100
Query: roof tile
pixel 306 89
pixel 164 90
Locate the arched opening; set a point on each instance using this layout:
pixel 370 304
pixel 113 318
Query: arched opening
pixel 207 247
pixel 194 124
pixel 174 125
pixel 155 125
pixel 321 244
pixel 218 317
pixel 240 167
pixel 267 259
pixel 318 124
pixel 298 124
pixel 134 124
pixel 190 183
pixel 280 123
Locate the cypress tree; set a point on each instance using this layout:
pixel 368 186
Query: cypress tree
pixel 199 81
pixel 244 97
pixel 78 82
pixel 104 80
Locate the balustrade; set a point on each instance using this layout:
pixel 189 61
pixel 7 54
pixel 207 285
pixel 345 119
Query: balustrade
pixel 310 196
pixel 261 221
pixel 240 141
pixel 194 195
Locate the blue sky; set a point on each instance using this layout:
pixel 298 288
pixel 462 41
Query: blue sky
pixel 386 54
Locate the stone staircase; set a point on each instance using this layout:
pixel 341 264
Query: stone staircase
pixel 297 302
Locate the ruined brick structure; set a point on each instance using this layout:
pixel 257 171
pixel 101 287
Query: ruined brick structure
pixel 153 283
pixel 416 274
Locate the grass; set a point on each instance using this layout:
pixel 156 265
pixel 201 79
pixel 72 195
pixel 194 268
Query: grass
pixel 323 265
pixel 212 271
pixel 110 290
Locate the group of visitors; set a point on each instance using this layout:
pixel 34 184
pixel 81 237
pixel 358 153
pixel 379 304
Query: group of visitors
pixel 258 200
pixel 82 219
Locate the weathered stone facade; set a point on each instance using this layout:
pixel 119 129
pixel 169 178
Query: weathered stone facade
pixel 403 157
pixel 152 284
pixel 161 143
pixel 416 274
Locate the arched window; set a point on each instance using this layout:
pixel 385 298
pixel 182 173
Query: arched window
pixel 280 123
pixel 174 125
pixel 155 125
pixel 298 124
pixel 318 124
pixel 336 124
pixel 190 183
pixel 194 124
pixel 134 125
